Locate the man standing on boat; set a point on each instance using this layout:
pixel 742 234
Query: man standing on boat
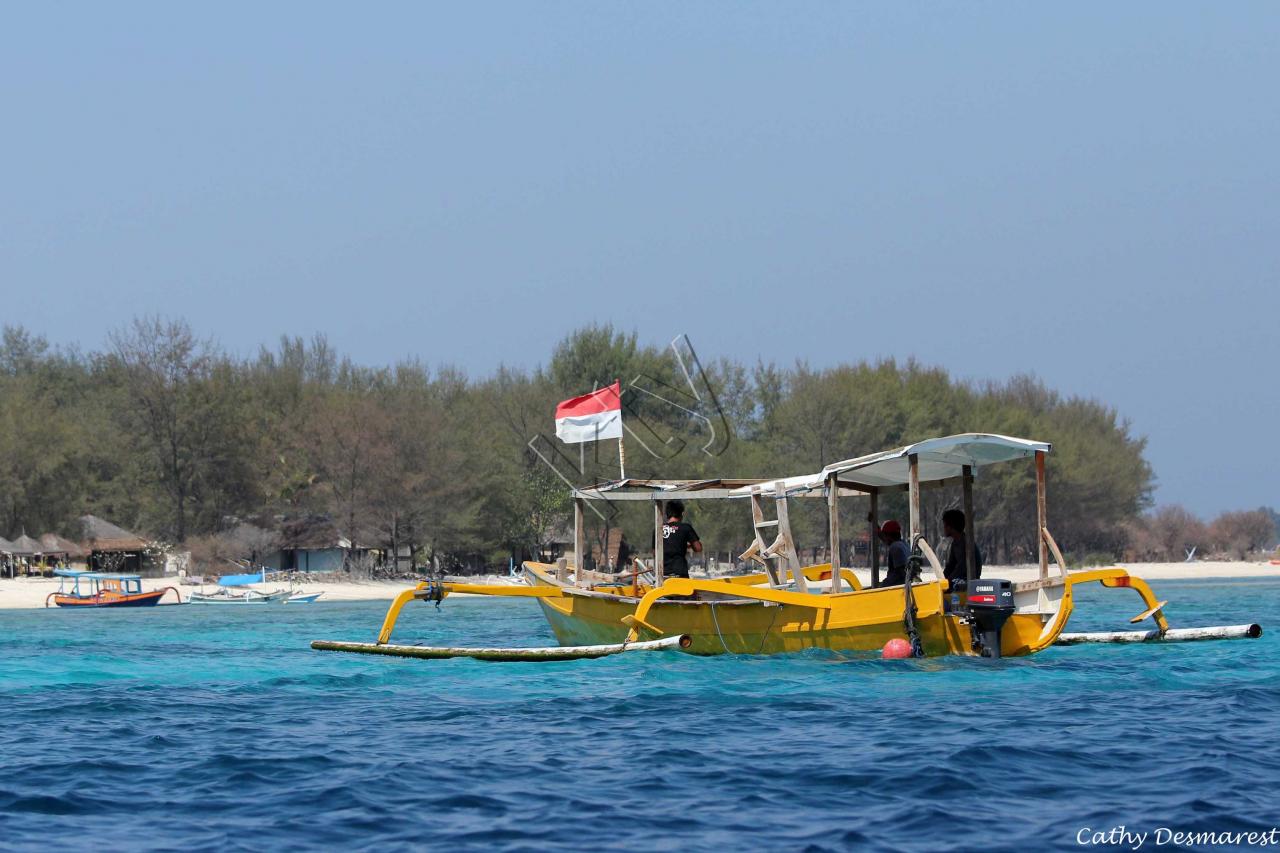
pixel 896 554
pixel 678 536
pixel 953 524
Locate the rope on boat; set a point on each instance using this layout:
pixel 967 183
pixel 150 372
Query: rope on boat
pixel 768 630
pixel 716 621
pixel 909 611
pixel 763 639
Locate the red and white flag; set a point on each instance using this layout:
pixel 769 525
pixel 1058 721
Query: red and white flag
pixel 591 417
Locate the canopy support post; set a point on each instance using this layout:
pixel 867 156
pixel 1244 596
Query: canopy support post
pixel 970 545
pixel 913 488
pixel 1042 515
pixel 579 544
pixel 833 529
pixel 874 517
pixel 658 520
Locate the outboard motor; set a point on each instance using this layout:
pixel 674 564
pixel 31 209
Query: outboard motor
pixel 990 606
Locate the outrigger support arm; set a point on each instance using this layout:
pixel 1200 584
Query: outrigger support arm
pixel 1155 607
pixel 431 589
pixel 1112 578
pixel 686 586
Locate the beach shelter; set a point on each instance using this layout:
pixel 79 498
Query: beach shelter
pixel 110 547
pixel 57 548
pixel 25 546
pixel 27 550
pixel 6 557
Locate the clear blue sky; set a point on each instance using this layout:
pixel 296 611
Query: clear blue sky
pixel 1087 192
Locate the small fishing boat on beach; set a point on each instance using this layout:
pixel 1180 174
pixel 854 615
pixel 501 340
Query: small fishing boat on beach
pixel 227 583
pixel 248 596
pixel 226 595
pixel 790 607
pixel 100 589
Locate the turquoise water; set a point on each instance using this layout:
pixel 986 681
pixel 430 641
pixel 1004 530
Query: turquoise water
pixel 219 729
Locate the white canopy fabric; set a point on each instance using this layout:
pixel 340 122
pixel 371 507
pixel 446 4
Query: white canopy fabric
pixel 651 490
pixel 939 459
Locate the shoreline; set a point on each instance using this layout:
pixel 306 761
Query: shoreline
pixel 30 593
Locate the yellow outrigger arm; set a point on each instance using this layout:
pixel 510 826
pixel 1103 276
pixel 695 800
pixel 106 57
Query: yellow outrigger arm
pixel 437 591
pixel 687 586
pixel 1113 579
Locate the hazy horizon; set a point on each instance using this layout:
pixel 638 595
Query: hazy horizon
pixel 1084 193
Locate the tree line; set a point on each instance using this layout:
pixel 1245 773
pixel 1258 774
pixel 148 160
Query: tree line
pixel 164 432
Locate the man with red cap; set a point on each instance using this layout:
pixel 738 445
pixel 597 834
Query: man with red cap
pixel 896 554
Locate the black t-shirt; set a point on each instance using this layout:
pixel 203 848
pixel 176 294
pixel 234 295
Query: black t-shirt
pixel 955 569
pixel 676 539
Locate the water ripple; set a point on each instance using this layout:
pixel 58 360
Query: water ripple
pixel 190 729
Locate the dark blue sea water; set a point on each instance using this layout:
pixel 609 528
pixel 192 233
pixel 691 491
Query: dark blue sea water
pixel 206 728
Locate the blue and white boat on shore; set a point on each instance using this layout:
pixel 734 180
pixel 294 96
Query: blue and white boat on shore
pixel 226 595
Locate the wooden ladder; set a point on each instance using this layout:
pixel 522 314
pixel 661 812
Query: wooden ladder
pixel 779 557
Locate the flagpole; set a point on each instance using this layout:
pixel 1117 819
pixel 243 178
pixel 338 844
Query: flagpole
pixel 622 451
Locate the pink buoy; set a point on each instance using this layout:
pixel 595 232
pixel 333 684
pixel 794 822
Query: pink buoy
pixel 896 649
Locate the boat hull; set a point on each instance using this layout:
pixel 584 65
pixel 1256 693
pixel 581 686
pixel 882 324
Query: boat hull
pixel 266 598
pixel 861 621
pixel 109 599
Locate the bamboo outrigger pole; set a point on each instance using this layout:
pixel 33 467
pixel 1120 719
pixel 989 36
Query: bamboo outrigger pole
pixel 506 654
pixel 1172 635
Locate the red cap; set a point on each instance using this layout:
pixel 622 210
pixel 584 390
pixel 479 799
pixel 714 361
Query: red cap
pixel 891 526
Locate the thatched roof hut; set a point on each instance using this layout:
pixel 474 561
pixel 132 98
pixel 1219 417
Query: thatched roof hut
pixel 6 547
pixel 55 546
pixel 25 546
pixel 100 535
pixel 114 549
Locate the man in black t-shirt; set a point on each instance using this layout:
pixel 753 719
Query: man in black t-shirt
pixel 678 536
pixel 957 567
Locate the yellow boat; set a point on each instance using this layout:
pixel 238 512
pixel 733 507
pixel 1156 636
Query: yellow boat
pixel 787 607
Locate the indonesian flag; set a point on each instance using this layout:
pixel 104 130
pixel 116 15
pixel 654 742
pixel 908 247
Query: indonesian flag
pixel 591 417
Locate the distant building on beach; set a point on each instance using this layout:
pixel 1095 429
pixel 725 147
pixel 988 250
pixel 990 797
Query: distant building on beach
pixel 314 544
pixel 30 556
pixel 7 566
pixel 113 549
pixel 60 549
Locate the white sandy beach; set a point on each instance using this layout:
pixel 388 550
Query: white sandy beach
pixel 32 592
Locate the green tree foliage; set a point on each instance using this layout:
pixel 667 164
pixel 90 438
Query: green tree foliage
pixel 167 433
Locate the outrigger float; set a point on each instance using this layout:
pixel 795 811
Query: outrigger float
pixel 788 607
